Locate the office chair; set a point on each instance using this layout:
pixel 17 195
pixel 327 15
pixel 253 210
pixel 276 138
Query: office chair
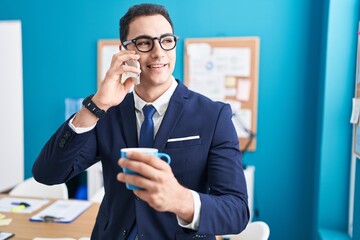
pixel 98 196
pixel 257 230
pixel 31 188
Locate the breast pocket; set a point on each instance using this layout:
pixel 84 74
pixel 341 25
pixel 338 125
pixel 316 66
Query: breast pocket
pixel 183 142
pixel 188 161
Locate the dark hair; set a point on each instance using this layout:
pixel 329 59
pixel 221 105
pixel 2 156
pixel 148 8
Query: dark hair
pixel 138 11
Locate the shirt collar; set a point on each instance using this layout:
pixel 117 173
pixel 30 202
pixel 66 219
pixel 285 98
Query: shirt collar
pixel 161 103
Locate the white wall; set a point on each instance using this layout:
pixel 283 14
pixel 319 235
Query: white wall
pixel 11 105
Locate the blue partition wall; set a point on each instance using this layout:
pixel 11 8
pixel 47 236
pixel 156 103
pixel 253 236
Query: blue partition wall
pixel 356 226
pixel 306 79
pixel 339 63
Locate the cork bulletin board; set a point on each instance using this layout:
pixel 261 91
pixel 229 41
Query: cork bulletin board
pixel 226 69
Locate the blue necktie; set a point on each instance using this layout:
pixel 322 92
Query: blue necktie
pixel 146 139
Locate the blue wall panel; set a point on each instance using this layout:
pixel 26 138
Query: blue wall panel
pixel 356 226
pixel 339 76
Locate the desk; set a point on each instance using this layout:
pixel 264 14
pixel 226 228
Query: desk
pixel 24 229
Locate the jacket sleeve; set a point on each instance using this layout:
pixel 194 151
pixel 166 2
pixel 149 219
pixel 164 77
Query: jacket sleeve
pixel 65 155
pixel 225 209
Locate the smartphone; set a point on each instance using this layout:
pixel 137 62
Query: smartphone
pixel 134 76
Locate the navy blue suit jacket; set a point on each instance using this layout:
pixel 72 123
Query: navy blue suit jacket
pixel 210 165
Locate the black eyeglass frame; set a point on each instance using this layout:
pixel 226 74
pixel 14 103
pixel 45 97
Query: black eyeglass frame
pixel 176 38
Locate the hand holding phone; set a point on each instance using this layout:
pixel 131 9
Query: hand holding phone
pixel 134 76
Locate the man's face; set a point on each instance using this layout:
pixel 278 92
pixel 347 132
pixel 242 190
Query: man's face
pixel 157 65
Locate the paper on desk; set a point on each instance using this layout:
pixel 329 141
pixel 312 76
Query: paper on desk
pixel 39 238
pixel 5 235
pixel 9 203
pixel 4 221
pixel 63 211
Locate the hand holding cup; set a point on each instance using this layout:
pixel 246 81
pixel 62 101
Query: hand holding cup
pixel 150 151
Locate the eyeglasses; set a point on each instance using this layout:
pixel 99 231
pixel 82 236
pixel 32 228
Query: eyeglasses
pixel 146 43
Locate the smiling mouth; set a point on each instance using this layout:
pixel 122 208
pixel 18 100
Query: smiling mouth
pixel 156 65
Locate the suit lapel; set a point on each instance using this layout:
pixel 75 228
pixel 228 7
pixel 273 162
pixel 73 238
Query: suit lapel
pixel 128 121
pixel 173 113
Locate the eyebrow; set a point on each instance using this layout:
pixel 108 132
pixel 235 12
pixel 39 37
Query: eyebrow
pixel 147 36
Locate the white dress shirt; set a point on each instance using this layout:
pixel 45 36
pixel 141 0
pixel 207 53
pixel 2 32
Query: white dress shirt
pixel 160 105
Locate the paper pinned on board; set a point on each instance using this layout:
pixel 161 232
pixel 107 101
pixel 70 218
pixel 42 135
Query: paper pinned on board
pixel 355 111
pixel 242 122
pixel 199 50
pixel 244 89
pixel 233 61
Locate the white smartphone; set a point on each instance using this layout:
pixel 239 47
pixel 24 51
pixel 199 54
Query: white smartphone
pixel 134 76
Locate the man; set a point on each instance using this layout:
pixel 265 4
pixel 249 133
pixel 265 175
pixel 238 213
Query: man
pixel 202 193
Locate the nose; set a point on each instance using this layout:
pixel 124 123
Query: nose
pixel 157 51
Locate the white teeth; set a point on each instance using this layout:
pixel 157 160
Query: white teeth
pixel 157 65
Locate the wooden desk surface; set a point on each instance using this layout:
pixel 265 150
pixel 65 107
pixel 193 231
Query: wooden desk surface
pixel 24 229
